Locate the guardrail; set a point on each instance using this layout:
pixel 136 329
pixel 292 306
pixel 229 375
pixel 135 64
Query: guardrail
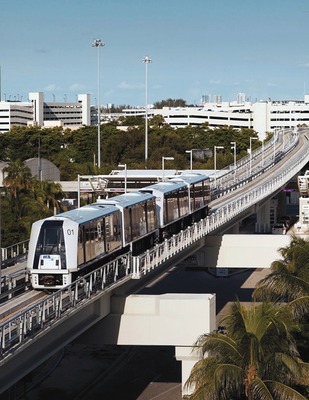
pixel 154 257
pixel 11 254
pixel 21 328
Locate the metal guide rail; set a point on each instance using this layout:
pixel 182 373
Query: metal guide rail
pixel 17 330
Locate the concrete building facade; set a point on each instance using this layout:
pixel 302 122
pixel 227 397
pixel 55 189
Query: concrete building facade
pixel 38 112
pixel 264 116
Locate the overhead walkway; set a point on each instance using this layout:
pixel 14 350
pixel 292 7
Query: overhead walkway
pixel 49 324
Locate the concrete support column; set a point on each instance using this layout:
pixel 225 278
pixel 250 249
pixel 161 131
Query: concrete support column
pixel 282 204
pixel 263 218
pixel 188 357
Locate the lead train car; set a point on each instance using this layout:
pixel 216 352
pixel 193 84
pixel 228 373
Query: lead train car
pixel 68 245
pixel 61 246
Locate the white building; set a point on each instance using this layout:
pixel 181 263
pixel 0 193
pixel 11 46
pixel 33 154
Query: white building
pixel 15 113
pixel 264 116
pixel 37 112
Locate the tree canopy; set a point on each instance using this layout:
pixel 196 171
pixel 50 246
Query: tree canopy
pixel 75 151
pixel 254 358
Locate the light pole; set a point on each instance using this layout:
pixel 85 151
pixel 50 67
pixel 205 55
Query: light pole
pixel 165 158
pixel 191 160
pixel 98 43
pixel 275 138
pixel 234 148
pixel 215 161
pixel 125 175
pixel 146 60
pixel 251 138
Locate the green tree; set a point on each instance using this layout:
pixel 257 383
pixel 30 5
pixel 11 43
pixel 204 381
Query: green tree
pixel 49 195
pixel 288 283
pixel 255 358
pixel 289 278
pixel 18 178
pixel 170 103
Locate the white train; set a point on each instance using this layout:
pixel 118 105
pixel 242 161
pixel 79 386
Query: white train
pixel 70 244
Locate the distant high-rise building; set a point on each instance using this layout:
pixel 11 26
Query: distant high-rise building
pixel 241 98
pixel 218 99
pixel 205 98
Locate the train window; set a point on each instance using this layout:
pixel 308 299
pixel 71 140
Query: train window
pixel 171 209
pixel 183 202
pixel 112 232
pixel 50 241
pixel 127 224
pixel 80 252
pixel 51 238
pixel 151 216
pixel 138 220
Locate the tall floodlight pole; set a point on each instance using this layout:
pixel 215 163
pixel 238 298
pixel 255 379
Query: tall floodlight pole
pixel 215 162
pixel 146 60
pixel 98 43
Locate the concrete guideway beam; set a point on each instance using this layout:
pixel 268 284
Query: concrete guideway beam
pixel 164 320
pixel 243 251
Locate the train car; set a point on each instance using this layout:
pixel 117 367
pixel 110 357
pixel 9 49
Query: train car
pixel 67 245
pixel 172 200
pixel 199 194
pixel 139 219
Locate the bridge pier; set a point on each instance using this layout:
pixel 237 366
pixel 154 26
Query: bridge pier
pixel 188 357
pixel 263 218
pixel 158 320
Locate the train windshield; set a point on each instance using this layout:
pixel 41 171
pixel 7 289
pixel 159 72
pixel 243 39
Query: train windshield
pixel 51 239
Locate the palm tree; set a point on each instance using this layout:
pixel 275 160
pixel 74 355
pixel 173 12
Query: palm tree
pixel 49 194
pixel 289 278
pixel 255 358
pixel 18 177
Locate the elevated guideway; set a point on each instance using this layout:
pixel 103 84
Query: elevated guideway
pixel 32 336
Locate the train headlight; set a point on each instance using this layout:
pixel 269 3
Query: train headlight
pixel 66 280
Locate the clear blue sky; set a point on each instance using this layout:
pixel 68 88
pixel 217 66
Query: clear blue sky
pixel 216 47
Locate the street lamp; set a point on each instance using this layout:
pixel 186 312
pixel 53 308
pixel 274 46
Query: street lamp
pixel 234 148
pixel 274 139
pixel 215 161
pixel 251 138
pixel 146 60
pixel 165 158
pixel 98 43
pixel 191 161
pixel 125 175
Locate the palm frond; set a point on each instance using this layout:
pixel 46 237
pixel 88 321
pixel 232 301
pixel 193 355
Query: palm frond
pixel 280 391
